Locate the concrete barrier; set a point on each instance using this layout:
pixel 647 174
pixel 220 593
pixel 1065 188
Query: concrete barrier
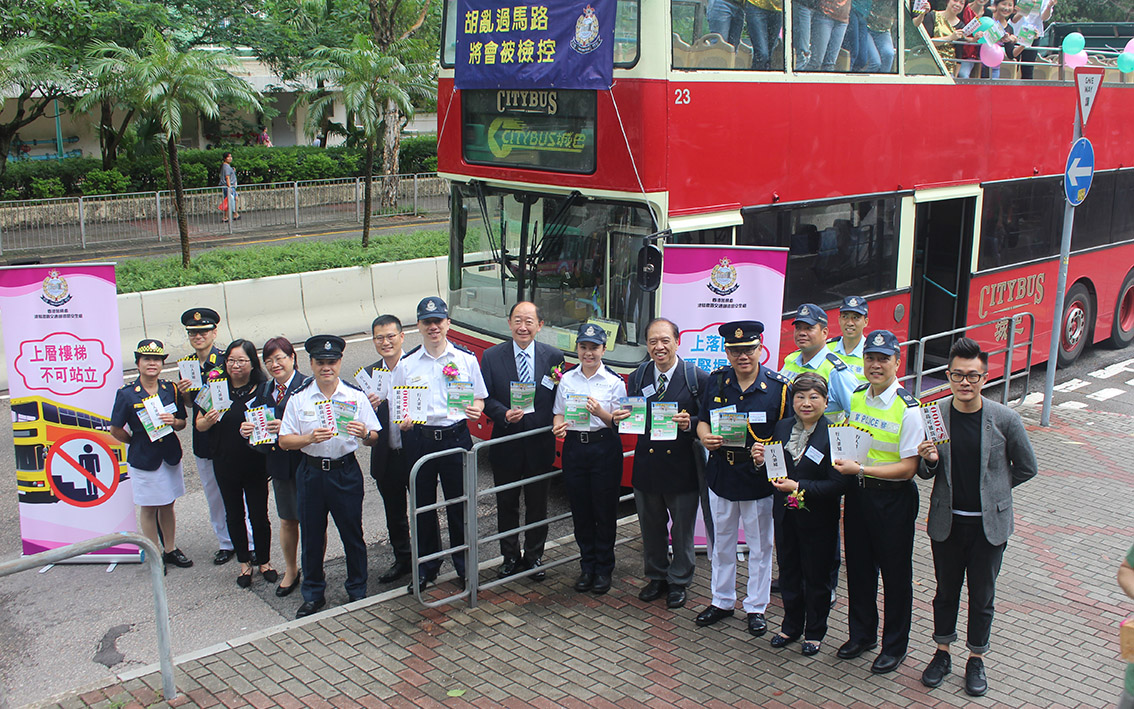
pixel 132 327
pixel 338 301
pixel 390 292
pixel 161 312
pixel 262 308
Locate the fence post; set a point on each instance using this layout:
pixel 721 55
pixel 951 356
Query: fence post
pixel 82 224
pixel 1009 359
pixel 230 194
pixel 157 202
pixel 357 201
pixel 1 237
pixel 295 191
pixel 415 194
pixel 472 530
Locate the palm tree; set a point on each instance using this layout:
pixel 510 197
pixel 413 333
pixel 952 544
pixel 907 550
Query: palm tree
pixel 28 69
pixel 367 82
pixel 169 82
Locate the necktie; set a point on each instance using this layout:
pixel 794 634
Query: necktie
pixel 522 367
pixel 661 384
pixel 280 390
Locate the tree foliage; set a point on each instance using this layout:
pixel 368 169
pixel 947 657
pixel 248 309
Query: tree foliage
pixel 1094 11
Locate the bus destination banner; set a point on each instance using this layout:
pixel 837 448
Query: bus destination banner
pixel 64 357
pixel 555 45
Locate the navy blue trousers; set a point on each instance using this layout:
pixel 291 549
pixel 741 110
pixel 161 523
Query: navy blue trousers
pixel 338 492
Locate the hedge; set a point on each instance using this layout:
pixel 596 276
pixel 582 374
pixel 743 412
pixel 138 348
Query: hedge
pixel 35 179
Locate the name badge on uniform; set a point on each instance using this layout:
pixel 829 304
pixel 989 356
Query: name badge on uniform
pixel 757 417
pixel 416 380
pixel 307 414
pixel 648 391
pixel 547 382
pixel 814 455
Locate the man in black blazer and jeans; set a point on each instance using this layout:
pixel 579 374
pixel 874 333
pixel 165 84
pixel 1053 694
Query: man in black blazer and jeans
pixel 521 360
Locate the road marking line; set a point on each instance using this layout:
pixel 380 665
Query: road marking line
pixel 1111 370
pixel 1071 385
pixel 1073 405
pixel 1105 394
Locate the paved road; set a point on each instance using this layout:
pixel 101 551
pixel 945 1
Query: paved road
pixel 78 625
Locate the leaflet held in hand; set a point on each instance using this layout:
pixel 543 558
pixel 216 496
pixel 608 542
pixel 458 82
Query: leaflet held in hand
pixel 409 403
pixel 575 413
pixel 662 425
pixel 523 396
pixel 372 383
pixel 259 416
pixel 774 461
pixel 635 423
pixel 218 391
pixel 458 397
pixel 335 415
pixel 150 416
pixel 934 420
pixel 734 429
pixel 190 368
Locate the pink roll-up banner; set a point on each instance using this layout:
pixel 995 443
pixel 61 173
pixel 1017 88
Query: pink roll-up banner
pixel 64 359
pixel 704 287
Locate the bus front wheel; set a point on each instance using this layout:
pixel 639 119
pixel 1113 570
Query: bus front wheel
pixel 1122 332
pixel 1076 324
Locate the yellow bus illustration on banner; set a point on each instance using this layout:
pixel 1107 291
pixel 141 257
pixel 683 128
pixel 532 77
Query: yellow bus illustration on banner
pixel 37 423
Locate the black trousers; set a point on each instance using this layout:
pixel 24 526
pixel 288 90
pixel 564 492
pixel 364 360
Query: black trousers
pixel 878 533
pixel 337 492
pixel 239 483
pixel 521 464
pixel 449 470
pixel 965 553
pixel 392 480
pixel 804 554
pixel 592 474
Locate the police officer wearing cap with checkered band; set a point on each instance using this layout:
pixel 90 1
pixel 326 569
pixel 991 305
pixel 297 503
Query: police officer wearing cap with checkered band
pixel 329 479
pixel 201 328
pixel 442 430
pixel 592 458
pixel 810 325
pixel 154 466
pixel 739 491
pixel 853 321
pixel 879 511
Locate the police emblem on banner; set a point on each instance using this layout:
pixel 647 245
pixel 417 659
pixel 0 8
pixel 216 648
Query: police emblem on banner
pixel 722 279
pixel 55 289
pixel 587 37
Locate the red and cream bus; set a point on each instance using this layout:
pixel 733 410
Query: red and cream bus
pixel 940 199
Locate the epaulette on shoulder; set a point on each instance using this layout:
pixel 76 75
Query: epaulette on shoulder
pixel 610 370
pixel 909 398
pixel 413 349
pixel 719 370
pixel 462 348
pixel 351 385
pixel 861 387
pixel 305 384
pixel 776 376
pixel 836 362
pixel 834 339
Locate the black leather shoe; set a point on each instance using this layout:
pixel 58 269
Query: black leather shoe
pixel 508 568
pixel 756 624
pixel 779 641
pixel 536 563
pixel 462 582
pixel 423 581
pixel 653 591
pixel 270 575
pixel 244 580
pixel 585 582
pixel 223 556
pixel 602 584
pixel 676 597
pixel 399 569
pixel 976 681
pixel 712 614
pixel 886 663
pixel 282 590
pixel 853 648
pixel 310 607
pixel 938 667
pixel 809 648
pixel 177 558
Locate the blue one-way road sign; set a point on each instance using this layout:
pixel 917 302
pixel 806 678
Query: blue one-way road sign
pixel 1080 171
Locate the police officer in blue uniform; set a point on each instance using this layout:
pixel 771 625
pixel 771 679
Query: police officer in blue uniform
pixel 739 492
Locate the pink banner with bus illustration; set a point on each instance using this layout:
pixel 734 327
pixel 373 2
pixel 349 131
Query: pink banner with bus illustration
pixel 61 342
pixel 704 287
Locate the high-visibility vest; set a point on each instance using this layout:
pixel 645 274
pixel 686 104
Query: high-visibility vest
pixel 793 367
pixel 854 364
pixel 884 425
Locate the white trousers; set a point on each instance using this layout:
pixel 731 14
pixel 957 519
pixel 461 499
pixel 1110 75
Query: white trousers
pixel 759 533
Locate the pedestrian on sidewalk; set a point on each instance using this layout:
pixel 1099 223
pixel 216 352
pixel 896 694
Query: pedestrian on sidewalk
pixel 228 182
pixel 970 510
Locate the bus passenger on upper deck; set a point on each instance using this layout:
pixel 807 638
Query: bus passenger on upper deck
pixel 829 21
pixel 878 50
pixel 1028 56
pixel 970 52
pixel 1001 12
pixel 945 29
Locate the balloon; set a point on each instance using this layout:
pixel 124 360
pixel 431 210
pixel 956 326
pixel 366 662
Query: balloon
pixel 991 55
pixel 1126 62
pixel 1073 44
pixel 1129 47
pixel 1074 60
pixel 986 22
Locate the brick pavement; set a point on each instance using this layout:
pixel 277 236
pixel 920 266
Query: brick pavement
pixel 533 644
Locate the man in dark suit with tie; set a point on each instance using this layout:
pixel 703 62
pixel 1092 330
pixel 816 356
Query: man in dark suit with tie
pixel 524 361
pixel 665 471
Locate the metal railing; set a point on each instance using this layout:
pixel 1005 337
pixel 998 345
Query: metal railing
pixel 82 222
pixel 152 557
pixel 1009 351
pixel 473 540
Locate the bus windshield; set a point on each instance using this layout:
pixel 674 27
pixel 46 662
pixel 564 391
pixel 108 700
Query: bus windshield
pixel 573 257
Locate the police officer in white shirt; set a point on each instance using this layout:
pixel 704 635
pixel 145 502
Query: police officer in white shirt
pixel 592 456
pixel 439 365
pixel 329 478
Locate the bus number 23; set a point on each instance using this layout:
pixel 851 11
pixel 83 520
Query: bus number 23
pixel 680 96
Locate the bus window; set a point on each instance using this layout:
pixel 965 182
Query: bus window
pixel 835 249
pixel 574 258
pixel 728 35
pixel 1122 223
pixel 68 418
pixel 25 411
pixel 30 457
pixel 1093 217
pixel 50 413
pixel 1022 221
pixel 709 237
pixel 449 35
pixel 921 58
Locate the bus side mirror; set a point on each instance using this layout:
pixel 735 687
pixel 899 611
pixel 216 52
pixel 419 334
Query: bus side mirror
pixel 649 268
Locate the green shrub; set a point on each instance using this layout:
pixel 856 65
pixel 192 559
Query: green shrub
pixel 10 194
pixel 194 175
pixel 46 187
pixel 414 153
pixel 104 182
pixel 317 167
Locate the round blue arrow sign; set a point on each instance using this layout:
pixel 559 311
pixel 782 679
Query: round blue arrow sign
pixel 1080 171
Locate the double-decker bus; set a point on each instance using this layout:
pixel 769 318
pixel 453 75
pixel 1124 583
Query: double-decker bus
pixel 939 199
pixel 37 423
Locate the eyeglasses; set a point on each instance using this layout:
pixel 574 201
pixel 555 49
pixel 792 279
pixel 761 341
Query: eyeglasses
pixel 971 377
pixel 277 359
pixel 386 338
pixel 741 351
pixel 235 362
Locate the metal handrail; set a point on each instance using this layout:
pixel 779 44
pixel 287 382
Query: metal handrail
pixel 414 511
pixel 152 556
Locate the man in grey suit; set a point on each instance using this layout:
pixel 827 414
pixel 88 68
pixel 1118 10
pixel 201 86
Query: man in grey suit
pixel 970 510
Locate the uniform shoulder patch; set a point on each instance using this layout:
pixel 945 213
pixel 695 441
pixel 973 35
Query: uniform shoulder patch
pixel 462 348
pixel 305 384
pixel 909 398
pixel 834 339
pixel 836 362
pixel 611 371
pixel 720 371
pixel 351 385
pixel 776 376
pixel 413 349
pixel 862 387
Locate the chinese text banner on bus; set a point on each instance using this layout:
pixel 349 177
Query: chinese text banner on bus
pixel 560 45
pixel 61 339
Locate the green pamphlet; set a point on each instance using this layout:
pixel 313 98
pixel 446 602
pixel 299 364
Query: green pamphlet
pixel 523 396
pixel 635 423
pixel 576 414
pixel 662 425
